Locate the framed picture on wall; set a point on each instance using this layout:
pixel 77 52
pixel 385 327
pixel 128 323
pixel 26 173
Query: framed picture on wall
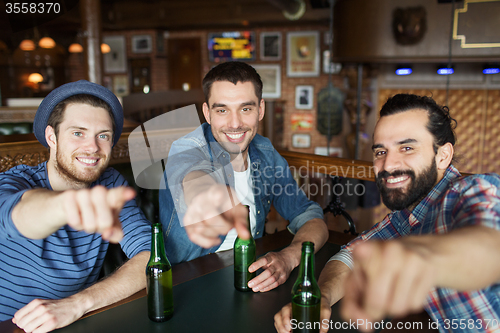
pixel 301 141
pixel 120 85
pixel 115 61
pixel 142 44
pixel 270 46
pixel 271 80
pixel 303 54
pixel 302 122
pixel 304 97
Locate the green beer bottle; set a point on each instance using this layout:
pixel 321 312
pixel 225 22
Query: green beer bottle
pixel 306 295
pixel 244 256
pixel 159 279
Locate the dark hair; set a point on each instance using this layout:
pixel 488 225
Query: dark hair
pixel 57 114
pixel 234 72
pixel 441 125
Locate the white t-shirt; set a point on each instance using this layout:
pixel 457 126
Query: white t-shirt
pixel 243 186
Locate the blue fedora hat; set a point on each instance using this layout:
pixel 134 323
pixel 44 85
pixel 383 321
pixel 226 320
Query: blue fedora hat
pixel 76 88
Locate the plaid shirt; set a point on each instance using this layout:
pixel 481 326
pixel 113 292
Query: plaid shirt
pixel 453 203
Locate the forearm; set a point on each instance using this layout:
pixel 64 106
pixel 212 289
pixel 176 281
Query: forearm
pixel 332 280
pixel 39 213
pixel 314 231
pixel 464 259
pixel 126 281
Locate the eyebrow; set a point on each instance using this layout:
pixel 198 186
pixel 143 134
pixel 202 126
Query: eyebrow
pixel 85 129
pixel 405 141
pixel 220 105
pixel 402 142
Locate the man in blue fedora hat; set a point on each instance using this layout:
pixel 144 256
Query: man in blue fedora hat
pixel 57 218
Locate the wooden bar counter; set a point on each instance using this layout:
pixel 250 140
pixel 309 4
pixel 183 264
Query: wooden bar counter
pixel 206 300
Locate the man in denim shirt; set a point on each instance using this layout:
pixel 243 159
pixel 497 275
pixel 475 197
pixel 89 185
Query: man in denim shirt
pixel 224 164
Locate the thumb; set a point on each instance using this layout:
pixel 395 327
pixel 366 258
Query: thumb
pixel 240 221
pixel 118 196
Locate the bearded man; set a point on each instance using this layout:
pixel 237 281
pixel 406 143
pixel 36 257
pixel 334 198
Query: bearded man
pixel 57 218
pixel 438 249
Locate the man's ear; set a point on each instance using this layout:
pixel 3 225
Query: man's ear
pixel 206 112
pixel 50 137
pixel 444 156
pixel 262 109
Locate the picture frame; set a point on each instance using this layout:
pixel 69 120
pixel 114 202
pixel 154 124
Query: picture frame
pixel 304 97
pixel 271 80
pixel 303 54
pixel 115 61
pixel 301 141
pixel 270 46
pixel 142 44
pixel 121 85
pixel 301 122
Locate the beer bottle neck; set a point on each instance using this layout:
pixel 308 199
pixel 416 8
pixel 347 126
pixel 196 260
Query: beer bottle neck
pixel 157 245
pixel 306 270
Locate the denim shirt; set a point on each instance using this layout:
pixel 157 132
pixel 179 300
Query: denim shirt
pixel 272 184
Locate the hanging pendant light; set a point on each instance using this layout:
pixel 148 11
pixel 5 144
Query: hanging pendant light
pixel 47 43
pixel 35 78
pixel 27 45
pixel 105 48
pixel 75 48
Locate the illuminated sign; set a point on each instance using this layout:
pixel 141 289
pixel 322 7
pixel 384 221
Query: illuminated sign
pixel 231 46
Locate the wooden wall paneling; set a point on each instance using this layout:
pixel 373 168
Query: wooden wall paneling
pixel 491 152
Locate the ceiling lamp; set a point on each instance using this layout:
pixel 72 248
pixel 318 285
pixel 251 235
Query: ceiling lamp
pixel 105 48
pixel 47 43
pixel 75 48
pixel 27 45
pixel 445 70
pixel 35 78
pixel 403 70
pixel 491 69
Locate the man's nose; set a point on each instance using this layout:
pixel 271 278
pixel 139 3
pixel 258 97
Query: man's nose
pixel 392 161
pixel 91 145
pixel 235 120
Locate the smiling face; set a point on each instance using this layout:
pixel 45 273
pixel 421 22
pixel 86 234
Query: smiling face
pixel 233 112
pixel 81 151
pixel 405 163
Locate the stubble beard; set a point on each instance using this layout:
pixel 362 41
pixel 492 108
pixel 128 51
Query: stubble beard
pixel 70 174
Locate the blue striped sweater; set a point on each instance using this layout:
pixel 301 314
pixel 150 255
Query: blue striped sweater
pixel 65 262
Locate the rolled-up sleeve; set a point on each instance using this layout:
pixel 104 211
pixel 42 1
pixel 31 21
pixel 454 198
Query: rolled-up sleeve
pixel 314 211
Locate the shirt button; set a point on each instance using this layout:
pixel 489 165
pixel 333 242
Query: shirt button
pixel 223 155
pixel 258 212
pixel 258 232
pixel 268 201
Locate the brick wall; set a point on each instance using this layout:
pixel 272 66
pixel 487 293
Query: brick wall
pixel 159 75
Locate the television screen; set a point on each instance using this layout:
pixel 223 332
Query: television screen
pixel 237 45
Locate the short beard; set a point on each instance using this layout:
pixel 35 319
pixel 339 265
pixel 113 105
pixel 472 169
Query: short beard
pixel 396 199
pixel 71 175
